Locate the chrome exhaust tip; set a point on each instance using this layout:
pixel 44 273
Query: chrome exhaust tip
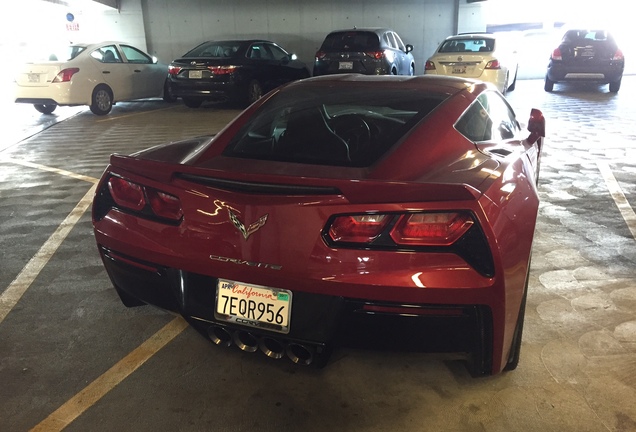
pixel 300 354
pixel 271 347
pixel 220 336
pixel 245 341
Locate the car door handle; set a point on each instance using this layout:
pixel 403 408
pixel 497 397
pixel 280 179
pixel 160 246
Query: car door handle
pixel 137 70
pixel 105 72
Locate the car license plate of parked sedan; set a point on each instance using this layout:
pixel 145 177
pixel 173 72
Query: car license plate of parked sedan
pixel 346 65
pixel 195 74
pixel 34 78
pixel 459 70
pixel 253 305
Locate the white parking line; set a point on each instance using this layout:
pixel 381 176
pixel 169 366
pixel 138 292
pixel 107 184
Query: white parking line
pixel 619 197
pixel 49 169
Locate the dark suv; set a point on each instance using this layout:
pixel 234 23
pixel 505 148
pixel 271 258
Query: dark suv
pixel 586 55
pixel 371 51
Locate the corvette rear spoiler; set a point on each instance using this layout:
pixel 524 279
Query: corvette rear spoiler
pixel 354 190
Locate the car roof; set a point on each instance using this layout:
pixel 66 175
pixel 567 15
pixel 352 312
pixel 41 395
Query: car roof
pixel 472 36
pixel 378 30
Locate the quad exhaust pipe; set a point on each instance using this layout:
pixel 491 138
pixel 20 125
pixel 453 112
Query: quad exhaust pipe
pixel 298 353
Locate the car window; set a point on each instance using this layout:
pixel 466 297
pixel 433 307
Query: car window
pixel 214 49
pixel 351 41
pixel 259 51
pixel 353 127
pixel 399 42
pixel 277 52
pixel 489 118
pixel 389 40
pixel 585 36
pixel 107 54
pixel 468 45
pixel 133 55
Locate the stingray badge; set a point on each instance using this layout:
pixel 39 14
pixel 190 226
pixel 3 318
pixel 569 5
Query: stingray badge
pixel 247 231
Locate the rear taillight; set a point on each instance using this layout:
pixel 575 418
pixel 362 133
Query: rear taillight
pixel 357 228
pixel 493 64
pixel 410 229
pixel 174 70
pixel 320 55
pixel 429 65
pixel 132 196
pixel 377 55
pixel 431 229
pixel 556 54
pixel 222 70
pixel 65 75
pixel 618 55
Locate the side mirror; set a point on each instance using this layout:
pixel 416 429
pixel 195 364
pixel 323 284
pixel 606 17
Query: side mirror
pixel 536 125
pixel 409 48
pixel 154 60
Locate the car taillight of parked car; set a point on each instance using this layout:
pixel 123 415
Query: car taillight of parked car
pixel 556 55
pixel 493 64
pixel 377 55
pixel 618 56
pixel 409 229
pixel 222 70
pixel 132 196
pixel 429 65
pixel 174 70
pixel 65 75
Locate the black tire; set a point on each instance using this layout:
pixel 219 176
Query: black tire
pixel 192 102
pixel 45 108
pixel 412 70
pixel 168 95
pixel 615 86
pixel 254 92
pixel 102 100
pixel 515 347
pixel 549 85
pixel 393 71
pixel 512 86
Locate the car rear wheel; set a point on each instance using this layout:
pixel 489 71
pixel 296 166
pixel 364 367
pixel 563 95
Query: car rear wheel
pixel 254 91
pixel 168 95
pixel 102 100
pixel 549 85
pixel 615 86
pixel 515 347
pixel 45 108
pixel 512 86
pixel 192 102
pixel 412 70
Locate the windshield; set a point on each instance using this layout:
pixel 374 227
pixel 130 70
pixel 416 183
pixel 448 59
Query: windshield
pixel 468 45
pixel 215 49
pixel 353 126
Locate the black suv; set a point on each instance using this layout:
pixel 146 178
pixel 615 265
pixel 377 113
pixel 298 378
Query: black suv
pixel 586 55
pixel 370 51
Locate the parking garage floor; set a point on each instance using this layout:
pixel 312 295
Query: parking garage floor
pixel 73 357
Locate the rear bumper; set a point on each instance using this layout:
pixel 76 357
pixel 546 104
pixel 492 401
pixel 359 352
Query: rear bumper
pixel 318 321
pixel 607 73
pixel 204 90
pixel 54 94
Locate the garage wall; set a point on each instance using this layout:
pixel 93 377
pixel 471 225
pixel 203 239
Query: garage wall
pixel 174 26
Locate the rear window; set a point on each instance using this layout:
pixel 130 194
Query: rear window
pixel 468 45
pixel 353 126
pixel 214 49
pixel 351 41
pixel 585 36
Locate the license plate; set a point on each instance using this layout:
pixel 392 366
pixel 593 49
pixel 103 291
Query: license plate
pixel 34 78
pixel 195 74
pixel 459 70
pixel 253 305
pixel 346 65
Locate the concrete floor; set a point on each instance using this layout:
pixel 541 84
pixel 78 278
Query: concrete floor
pixel 72 356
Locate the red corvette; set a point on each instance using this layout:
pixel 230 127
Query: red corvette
pixel 337 205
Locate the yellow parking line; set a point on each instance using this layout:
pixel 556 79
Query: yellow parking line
pixel 619 197
pixel 92 393
pixel 50 169
pixel 10 297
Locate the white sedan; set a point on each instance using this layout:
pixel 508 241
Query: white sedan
pixel 97 75
pixel 480 56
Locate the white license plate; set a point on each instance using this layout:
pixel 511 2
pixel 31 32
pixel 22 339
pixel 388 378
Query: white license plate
pixel 195 74
pixel 346 65
pixel 34 78
pixel 253 305
pixel 459 70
